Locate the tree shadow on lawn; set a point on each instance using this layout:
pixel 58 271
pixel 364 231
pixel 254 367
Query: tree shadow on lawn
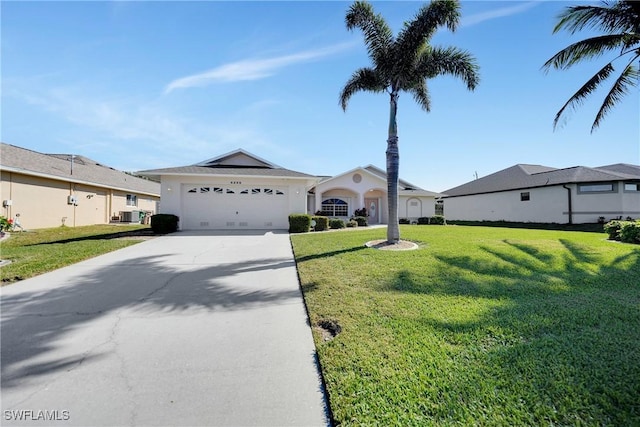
pixel 561 339
pixel 36 318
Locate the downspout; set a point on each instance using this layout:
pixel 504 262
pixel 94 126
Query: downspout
pixel 569 202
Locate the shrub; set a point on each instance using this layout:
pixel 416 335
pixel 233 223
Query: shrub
pixel 360 212
pixel 438 220
pixel 299 223
pixel 404 221
pixel 361 220
pixel 164 223
pixel 630 231
pixel 612 228
pixel 336 223
pixel 352 223
pixel 5 224
pixel 322 222
pixel 423 220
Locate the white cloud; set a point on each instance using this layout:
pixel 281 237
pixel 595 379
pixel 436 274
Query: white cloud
pixel 497 13
pixel 253 69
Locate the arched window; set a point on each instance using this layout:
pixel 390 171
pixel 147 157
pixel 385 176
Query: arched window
pixel 335 207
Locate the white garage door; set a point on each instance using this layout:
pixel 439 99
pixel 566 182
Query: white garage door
pixel 214 207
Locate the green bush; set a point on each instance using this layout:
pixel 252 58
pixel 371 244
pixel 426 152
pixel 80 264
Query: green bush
pixel 438 220
pixel 5 224
pixel 299 223
pixel 612 228
pixel 361 220
pixel 630 231
pixel 423 220
pixel 164 223
pixel 322 222
pixel 336 223
pixel 352 223
pixel 404 221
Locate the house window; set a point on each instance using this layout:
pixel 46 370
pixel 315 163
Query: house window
pixel 605 187
pixel 525 196
pixel 631 187
pixel 132 200
pixel 335 207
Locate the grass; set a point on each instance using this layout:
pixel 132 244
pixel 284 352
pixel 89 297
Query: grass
pixel 38 251
pixel 480 326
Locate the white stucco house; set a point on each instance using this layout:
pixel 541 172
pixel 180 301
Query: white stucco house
pixel 534 193
pixel 240 190
pixel 339 196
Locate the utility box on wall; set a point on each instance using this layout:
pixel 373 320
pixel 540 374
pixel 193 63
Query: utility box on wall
pixel 6 203
pixel 72 200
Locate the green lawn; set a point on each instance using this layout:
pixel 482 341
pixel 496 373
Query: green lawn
pixel 480 326
pixel 38 251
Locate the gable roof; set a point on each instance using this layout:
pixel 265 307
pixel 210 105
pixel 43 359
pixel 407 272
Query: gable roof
pixel 405 187
pixel 59 167
pixel 524 176
pixel 238 163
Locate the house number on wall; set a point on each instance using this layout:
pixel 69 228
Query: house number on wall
pixel 236 182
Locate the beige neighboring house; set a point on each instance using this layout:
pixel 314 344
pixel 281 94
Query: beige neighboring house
pixel 50 190
pixel 534 193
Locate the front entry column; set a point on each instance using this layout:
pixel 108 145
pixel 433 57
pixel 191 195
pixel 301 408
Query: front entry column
pixel 318 202
pixel 361 201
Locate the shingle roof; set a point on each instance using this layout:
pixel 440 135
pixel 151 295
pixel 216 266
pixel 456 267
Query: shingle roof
pixel 530 176
pixel 225 170
pixel 85 170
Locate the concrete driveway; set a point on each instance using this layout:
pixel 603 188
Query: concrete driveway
pixel 184 329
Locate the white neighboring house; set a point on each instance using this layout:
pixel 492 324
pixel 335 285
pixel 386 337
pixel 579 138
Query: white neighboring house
pixel 240 190
pixel 237 190
pixel 533 193
pixel 366 187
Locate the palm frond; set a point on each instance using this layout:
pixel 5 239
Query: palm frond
pixel 452 61
pixel 589 87
pixel 628 78
pixel 586 49
pixel 421 95
pixel 363 79
pixel 378 37
pixel 430 17
pixel 619 17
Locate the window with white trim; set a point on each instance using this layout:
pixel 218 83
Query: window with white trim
pixel 604 187
pixel 335 207
pixel 132 200
pixel 631 187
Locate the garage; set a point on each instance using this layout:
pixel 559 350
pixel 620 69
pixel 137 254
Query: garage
pixel 234 191
pixel 216 207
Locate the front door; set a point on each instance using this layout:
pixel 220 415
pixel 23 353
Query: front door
pixel 372 209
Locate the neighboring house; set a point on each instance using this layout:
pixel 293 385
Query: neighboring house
pixel 366 187
pixel 49 190
pixel 533 193
pixel 239 190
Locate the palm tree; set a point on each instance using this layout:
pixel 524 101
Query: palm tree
pixel 620 23
pixel 404 63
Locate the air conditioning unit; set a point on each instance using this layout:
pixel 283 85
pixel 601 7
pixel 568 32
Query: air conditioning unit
pixel 72 200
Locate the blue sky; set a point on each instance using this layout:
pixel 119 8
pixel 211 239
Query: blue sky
pixel 142 85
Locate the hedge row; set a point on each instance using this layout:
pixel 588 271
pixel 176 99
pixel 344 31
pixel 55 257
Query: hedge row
pixel 303 223
pixel 434 220
pixel 624 231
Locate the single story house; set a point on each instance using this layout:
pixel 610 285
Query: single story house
pixel 240 190
pixel 339 196
pixel 50 190
pixel 534 193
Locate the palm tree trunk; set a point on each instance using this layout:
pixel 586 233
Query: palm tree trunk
pixel 393 167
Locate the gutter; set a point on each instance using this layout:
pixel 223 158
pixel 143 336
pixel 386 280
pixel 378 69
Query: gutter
pixel 569 203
